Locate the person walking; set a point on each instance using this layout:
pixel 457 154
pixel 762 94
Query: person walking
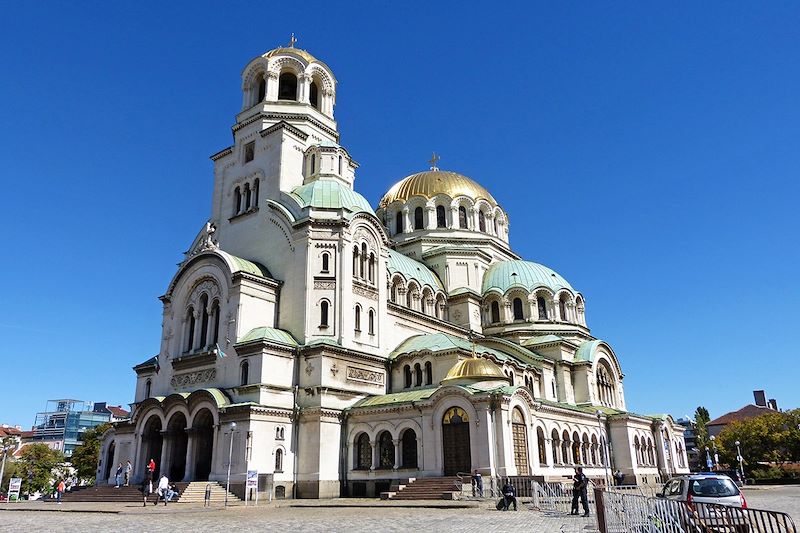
pixel 580 484
pixel 118 476
pixel 477 484
pixel 146 488
pixel 161 491
pixel 59 490
pixel 151 467
pixel 128 470
pixel 509 496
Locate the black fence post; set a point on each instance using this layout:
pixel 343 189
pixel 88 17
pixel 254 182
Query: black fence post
pixel 601 513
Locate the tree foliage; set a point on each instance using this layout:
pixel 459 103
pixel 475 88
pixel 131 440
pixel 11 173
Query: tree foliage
pixel 770 438
pixel 86 456
pixel 701 419
pixel 38 467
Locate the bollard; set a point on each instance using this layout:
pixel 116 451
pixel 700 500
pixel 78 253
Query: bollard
pixel 207 497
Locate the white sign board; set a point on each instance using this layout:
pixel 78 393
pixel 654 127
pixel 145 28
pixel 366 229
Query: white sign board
pixel 14 486
pixel 252 479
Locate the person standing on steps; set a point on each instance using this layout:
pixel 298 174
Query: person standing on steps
pixel 118 475
pixel 59 490
pixel 477 484
pixel 580 484
pixel 151 467
pixel 128 469
pixel 161 491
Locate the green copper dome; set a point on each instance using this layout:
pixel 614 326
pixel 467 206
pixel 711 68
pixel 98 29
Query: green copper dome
pixel 330 194
pixel 526 274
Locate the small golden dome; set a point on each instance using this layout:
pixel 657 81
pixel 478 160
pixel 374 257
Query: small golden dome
pixel 299 52
pixel 433 182
pixel 474 369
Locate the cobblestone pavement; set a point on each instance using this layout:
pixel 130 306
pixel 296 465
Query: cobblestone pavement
pixel 351 520
pixel 784 498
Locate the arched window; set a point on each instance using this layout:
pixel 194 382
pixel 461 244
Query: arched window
pixel 441 219
pixel 255 192
pixel 553 384
pixel 247 196
pixel 541 445
pixel 244 373
pixel 278 433
pixel 555 444
pixel 355 261
pixel 428 373
pixel 323 314
pixel 417 375
pixel 190 330
pixel 204 321
pixel 371 267
pixel 605 385
pixel 385 450
pixel 237 200
pixel 363 452
pixel 313 94
pixel 358 318
pixel 566 446
pixel 462 217
pixel 147 388
pixel 418 221
pixel 495 307
pixel 287 86
pixel 407 376
pixel 371 322
pixel 262 88
pixel 340 165
pixel 409 449
pixel 278 460
pixel 517 305
pixel 594 450
pixel 542 307
pixel 398 223
pixel 325 262
pixel 363 260
pixel 312 165
pixel 481 221
pixel 215 318
pixel 496 232
pixel 562 308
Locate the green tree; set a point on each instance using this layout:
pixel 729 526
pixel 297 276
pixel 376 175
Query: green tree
pixel 86 456
pixel 769 438
pixel 701 419
pixel 38 466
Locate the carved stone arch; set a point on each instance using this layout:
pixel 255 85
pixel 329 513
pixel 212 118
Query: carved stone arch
pixel 524 396
pixel 358 429
pixel 372 222
pixel 256 67
pixel 283 64
pixel 364 233
pixel 145 410
pixel 317 71
pixel 382 426
pixel 285 229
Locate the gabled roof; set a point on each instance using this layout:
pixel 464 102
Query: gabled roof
pixel 118 411
pixel 745 413
pixel 412 269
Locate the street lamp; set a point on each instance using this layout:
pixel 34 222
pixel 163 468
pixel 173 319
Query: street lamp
pixel 230 456
pixel 739 458
pixel 716 457
pixel 605 451
pixel 4 449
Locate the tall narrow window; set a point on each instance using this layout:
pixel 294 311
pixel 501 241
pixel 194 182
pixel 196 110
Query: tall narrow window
pixel 323 314
pixel 147 388
pixel 407 376
pixel 372 268
pixel 428 373
pixel 204 321
pixel 371 322
pixel 340 165
pixel 562 309
pixel 418 223
pixel 247 196
pixel 495 312
pixel 481 221
pixel 249 151
pixel 190 331
pixel 237 200
pixel 355 261
pixel 358 318
pixel 325 260
pixel 255 193
pixel 518 314
pixel 215 319
pixel 363 260
pixel 279 460
pixel 313 95
pixel 313 164
pixel 417 375
pixel 542 307
pixel 398 223
pixel 462 217
pixel 496 232
pixel 287 86
pixel 245 373
pixel 441 218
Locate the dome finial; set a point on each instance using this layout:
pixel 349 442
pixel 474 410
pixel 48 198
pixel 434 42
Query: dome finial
pixel 292 41
pixel 434 159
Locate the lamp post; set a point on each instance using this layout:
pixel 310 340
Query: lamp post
pixel 739 458
pixel 230 456
pixel 716 457
pixel 607 458
pixel 4 449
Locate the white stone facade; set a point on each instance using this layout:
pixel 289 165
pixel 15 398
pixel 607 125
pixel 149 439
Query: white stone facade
pixel 324 329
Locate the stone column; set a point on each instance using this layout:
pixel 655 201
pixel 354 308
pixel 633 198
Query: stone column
pixel 454 217
pixel 198 329
pixel 374 446
pixel 472 219
pixel 190 454
pixel 533 309
pixel 303 88
pixel 507 316
pixel 162 468
pixel 272 86
pixel 431 212
pixel 407 225
pixel 396 453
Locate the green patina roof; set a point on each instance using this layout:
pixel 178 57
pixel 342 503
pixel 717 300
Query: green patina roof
pixel 243 265
pixel 590 409
pixel 330 194
pixel 543 339
pixel 412 269
pixel 442 342
pixel 526 274
pixel 269 334
pixel 396 398
pixel 586 350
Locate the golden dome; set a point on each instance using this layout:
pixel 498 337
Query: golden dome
pixel 474 369
pixel 433 182
pixel 293 51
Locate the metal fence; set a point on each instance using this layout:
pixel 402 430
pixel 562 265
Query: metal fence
pixel 619 512
pixel 556 496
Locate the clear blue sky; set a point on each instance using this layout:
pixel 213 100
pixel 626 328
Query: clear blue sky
pixel 646 151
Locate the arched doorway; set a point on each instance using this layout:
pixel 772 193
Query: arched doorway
pixel 178 441
pixel 152 441
pixel 109 461
pixel 203 427
pixel 409 449
pixel 519 435
pixel 455 442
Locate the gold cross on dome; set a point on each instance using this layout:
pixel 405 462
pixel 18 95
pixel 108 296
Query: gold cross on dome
pixel 434 159
pixel 292 41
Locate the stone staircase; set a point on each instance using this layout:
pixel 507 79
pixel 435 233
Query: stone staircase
pixel 196 490
pixel 187 493
pixel 429 488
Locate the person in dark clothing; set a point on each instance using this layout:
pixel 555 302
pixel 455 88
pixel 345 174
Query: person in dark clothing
pixel 619 477
pixel 509 496
pixel 146 488
pixel 580 484
pixel 477 484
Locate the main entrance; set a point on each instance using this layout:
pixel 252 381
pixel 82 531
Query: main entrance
pixel 455 442
pixel 519 434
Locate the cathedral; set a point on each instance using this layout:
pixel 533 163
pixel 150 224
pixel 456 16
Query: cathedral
pixel 342 349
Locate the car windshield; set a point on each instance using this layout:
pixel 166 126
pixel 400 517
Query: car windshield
pixel 713 487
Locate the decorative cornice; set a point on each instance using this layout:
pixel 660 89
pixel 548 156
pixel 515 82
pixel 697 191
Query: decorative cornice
pixel 260 345
pixel 283 125
pixel 262 115
pixel 194 360
pixel 267 282
pixel 222 153
pixel 321 349
pixel 434 322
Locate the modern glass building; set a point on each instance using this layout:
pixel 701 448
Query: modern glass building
pixel 62 424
